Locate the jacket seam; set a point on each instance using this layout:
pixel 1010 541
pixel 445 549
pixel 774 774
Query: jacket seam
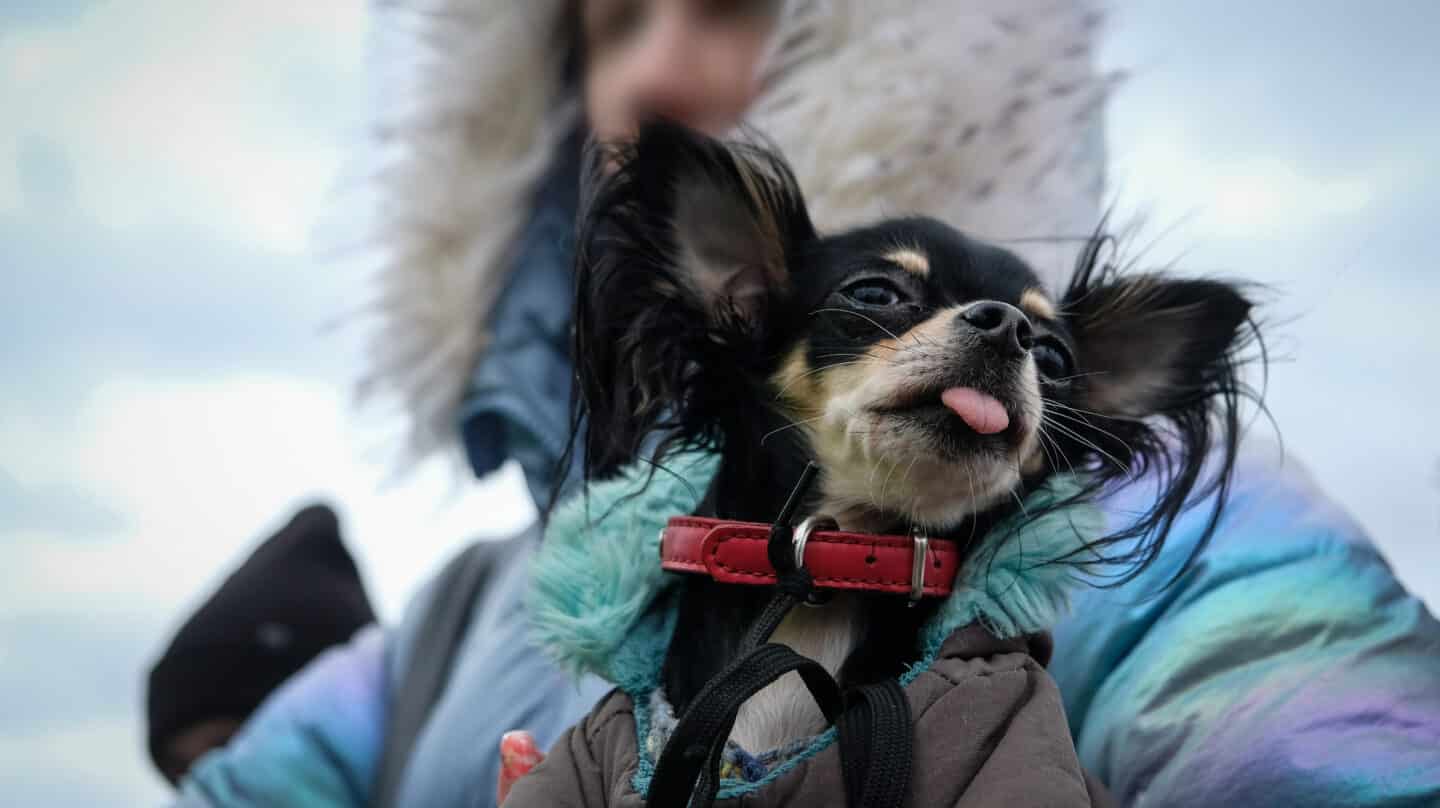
pixel 594 730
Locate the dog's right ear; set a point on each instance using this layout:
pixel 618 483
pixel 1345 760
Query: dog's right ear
pixel 685 246
pixel 720 218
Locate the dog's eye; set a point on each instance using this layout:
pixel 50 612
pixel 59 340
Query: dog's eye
pixel 1051 359
pixel 873 292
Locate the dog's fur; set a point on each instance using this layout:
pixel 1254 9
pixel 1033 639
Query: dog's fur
pixel 710 312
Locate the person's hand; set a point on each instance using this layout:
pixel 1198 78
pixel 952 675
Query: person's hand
pixel 518 755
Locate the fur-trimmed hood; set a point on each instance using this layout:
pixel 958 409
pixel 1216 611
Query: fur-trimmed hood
pixel 598 597
pixel 984 113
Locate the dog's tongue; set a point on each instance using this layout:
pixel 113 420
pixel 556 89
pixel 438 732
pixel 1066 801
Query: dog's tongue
pixel 983 413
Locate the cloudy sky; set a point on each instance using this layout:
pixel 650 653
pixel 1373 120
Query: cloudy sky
pixel 173 391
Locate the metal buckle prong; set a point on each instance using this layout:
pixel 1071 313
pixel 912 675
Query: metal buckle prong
pixel 806 529
pixel 802 534
pixel 920 550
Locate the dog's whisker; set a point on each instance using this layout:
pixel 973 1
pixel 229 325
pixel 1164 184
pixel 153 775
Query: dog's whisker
pixel 1058 451
pixel 1015 468
pixel 970 477
pixel 884 460
pixel 870 479
pixel 1070 433
pixel 906 479
pixel 791 425
pixel 1061 405
pixel 867 318
pixel 1045 446
pixel 1086 442
pixel 886 347
pixel 1020 503
pixel 1090 425
pixel 889 360
pixel 886 485
pixel 1074 376
pixel 809 373
pixel 1081 422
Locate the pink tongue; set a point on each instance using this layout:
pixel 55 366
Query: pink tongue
pixel 983 413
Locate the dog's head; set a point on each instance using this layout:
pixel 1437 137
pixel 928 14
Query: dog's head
pixel 931 376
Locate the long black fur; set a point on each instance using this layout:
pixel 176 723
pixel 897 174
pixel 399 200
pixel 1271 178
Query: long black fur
pixel 1201 415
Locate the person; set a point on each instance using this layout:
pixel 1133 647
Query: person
pixel 298 594
pixel 1287 667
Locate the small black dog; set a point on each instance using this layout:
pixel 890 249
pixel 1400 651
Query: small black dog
pixel 930 376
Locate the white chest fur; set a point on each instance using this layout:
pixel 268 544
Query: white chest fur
pixel 785 710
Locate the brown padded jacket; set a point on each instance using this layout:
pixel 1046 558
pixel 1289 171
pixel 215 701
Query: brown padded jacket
pixel 989 728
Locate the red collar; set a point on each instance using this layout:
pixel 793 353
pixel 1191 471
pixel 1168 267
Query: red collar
pixel 737 553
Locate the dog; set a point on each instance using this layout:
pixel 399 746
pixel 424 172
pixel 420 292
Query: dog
pixel 929 375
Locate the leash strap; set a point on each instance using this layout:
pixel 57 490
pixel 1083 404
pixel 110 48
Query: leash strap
pixel 688 771
pixel 876 746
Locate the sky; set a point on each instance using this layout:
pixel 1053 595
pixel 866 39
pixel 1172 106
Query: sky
pixel 179 361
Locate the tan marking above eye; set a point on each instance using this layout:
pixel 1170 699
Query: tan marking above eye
pixel 1034 303
pixel 910 260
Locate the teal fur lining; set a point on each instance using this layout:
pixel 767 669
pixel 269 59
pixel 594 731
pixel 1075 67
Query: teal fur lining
pixel 599 602
pixel 597 574
pixel 644 763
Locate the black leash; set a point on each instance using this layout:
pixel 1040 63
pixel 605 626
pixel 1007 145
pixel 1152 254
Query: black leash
pixel 873 722
pixel 876 745
pixel 690 764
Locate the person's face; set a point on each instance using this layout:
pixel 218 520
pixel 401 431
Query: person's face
pixel 190 744
pixel 692 61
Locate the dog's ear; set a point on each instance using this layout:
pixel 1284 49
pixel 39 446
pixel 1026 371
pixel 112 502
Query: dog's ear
pixel 1153 345
pixel 1158 389
pixel 685 247
pixel 723 218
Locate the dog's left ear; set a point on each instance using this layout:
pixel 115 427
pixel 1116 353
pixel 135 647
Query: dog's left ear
pixel 1154 345
pixel 1153 348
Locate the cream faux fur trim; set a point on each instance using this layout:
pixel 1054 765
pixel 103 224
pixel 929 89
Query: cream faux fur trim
pixel 984 113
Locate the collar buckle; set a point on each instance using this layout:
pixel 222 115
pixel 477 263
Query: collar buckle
pixel 920 550
pixel 801 536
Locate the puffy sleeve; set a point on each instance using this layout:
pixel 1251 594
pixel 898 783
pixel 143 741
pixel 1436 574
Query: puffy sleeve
pixel 589 766
pixel 1287 667
pixel 314 743
pixel 317 740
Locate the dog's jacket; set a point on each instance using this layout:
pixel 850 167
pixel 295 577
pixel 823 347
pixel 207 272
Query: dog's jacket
pixel 989 731
pixel 989 726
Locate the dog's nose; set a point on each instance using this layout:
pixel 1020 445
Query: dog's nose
pixel 1001 326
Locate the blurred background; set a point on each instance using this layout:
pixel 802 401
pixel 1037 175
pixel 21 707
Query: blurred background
pixel 175 384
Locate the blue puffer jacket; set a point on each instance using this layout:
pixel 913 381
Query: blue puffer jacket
pixel 1287 667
